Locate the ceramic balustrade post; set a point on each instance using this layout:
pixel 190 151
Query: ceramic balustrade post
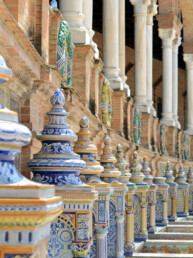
pixel 57 163
pixel 120 236
pixel 182 193
pixel 190 182
pixel 122 165
pixel 151 195
pixel 167 36
pixel 172 192
pixel 161 201
pixel 26 208
pixel 101 245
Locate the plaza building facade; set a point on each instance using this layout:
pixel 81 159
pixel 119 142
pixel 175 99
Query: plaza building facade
pixel 106 89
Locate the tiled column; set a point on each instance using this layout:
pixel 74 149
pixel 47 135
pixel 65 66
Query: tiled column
pixel 72 11
pixel 140 13
pixel 188 58
pixel 122 165
pixel 182 193
pixel 88 21
pixel 91 175
pixel 162 201
pixel 190 182
pixel 172 192
pixel 56 163
pixel 140 200
pixel 122 45
pixel 176 44
pixel 151 11
pixel 111 43
pixel 151 196
pixel 167 36
pixel 111 175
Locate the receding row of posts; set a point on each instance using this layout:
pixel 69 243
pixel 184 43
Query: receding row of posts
pixel 106 206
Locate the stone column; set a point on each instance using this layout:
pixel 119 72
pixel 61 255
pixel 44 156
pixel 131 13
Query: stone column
pixel 140 13
pixel 176 44
pixel 167 36
pixel 111 43
pixel 88 13
pixel 122 45
pixel 188 58
pixel 72 11
pixel 151 11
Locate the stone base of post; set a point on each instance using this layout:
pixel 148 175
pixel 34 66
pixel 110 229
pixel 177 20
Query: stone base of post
pixel 112 75
pixel 167 119
pixel 189 130
pixel 143 107
pixel 152 109
pixel 177 123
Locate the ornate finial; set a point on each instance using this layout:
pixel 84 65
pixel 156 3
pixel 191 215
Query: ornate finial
pixel 190 176
pixel 87 151
pixel 57 98
pixel 146 171
pixel 107 141
pixel 169 173
pixel 122 165
pixel 181 179
pixel 54 4
pixel 108 160
pixel 136 175
pixel 57 142
pixel 84 122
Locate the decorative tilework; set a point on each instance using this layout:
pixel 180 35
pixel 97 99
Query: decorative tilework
pixel 64 53
pixel 162 139
pixel 159 207
pixel 106 103
pixel 111 237
pixel 137 127
pixel 137 214
pixel 186 147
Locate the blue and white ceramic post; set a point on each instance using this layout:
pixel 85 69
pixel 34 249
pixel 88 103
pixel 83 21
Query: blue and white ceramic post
pixel 91 175
pixel 56 163
pixel 182 193
pixel 23 203
pixel 111 174
pixel 172 192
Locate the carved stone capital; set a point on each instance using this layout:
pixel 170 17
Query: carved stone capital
pixel 140 6
pixel 176 43
pixel 167 36
pixel 188 59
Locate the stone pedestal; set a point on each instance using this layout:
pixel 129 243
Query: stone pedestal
pixel 182 193
pixel 140 200
pixel 72 11
pixel 188 58
pixel 172 192
pixel 56 163
pixel 151 196
pixel 122 165
pixel 161 201
pixel 111 43
pixel 91 175
pixel 190 182
pixel 140 14
pixel 115 242
pixel 167 36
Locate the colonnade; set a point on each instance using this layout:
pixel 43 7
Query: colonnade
pixel 79 15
